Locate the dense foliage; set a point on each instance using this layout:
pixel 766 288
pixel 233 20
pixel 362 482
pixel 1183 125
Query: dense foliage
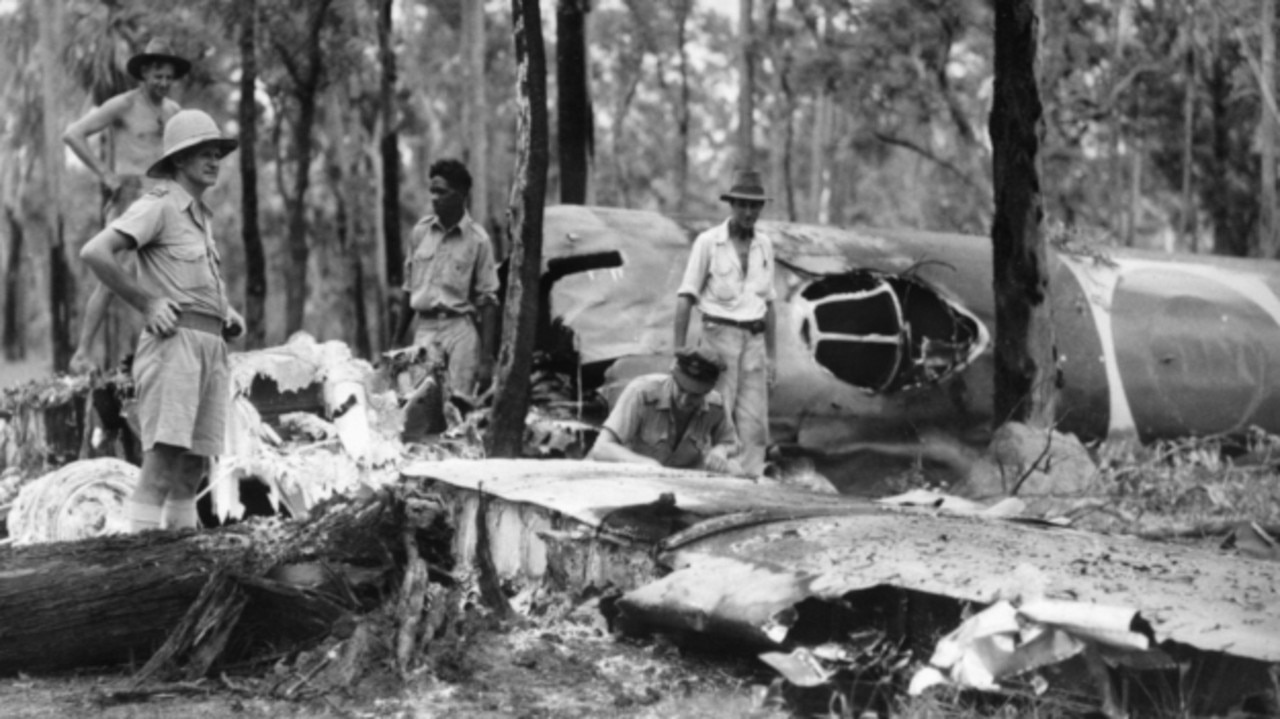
pixel 866 112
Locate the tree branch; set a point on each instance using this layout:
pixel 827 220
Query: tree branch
pixel 928 155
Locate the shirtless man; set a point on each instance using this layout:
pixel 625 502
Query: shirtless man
pixel 134 121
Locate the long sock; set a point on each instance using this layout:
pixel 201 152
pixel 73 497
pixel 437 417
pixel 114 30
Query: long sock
pixel 180 514
pixel 142 517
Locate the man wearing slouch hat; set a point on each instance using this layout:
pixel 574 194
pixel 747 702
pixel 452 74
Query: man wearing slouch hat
pixel 730 278
pixel 133 125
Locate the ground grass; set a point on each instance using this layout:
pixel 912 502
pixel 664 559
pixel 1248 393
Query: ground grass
pixel 1191 489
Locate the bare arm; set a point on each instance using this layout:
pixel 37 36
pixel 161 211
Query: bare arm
pixel 684 308
pixel 96 120
pixel 608 449
pixel 99 253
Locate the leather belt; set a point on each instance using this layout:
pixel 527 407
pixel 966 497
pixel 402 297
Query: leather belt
pixel 755 327
pixel 439 314
pixel 200 322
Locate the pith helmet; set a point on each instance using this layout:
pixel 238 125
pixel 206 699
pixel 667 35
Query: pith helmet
pixel 157 50
pixel 746 186
pixel 187 129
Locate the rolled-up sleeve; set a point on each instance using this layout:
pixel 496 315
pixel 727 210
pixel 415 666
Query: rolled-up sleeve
pixel 695 272
pixel 142 221
pixel 622 421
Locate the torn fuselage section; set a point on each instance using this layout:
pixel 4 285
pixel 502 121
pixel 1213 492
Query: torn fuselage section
pixel 885 333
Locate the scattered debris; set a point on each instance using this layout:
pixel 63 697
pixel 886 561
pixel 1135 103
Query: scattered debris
pixel 1002 641
pixel 81 499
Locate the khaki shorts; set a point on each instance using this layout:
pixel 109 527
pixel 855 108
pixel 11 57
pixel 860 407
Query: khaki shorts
pixel 458 337
pixel 184 390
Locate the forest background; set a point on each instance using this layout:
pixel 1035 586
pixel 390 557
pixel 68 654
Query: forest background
pixel 1158 128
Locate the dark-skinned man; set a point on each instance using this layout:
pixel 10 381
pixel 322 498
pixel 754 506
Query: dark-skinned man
pixel 451 284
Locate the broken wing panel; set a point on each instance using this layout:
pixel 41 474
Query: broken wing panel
pixel 975 560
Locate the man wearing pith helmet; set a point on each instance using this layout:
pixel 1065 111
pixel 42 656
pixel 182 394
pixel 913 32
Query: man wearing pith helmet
pixel 133 124
pixel 674 419
pixel 180 367
pixel 730 278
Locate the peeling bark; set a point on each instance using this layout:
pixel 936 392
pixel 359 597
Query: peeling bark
pixel 255 262
pixel 505 437
pixel 191 601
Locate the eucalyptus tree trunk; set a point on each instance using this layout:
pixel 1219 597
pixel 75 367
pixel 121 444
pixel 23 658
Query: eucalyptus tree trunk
pixel 1267 140
pixel 255 261
pixel 61 289
pixel 476 112
pixel 505 437
pixel 307 78
pixel 15 346
pixel 683 114
pixel 577 134
pixel 746 85
pixel 1230 233
pixel 1189 226
pixel 1025 351
pixel 818 156
pixel 392 272
pixel 782 114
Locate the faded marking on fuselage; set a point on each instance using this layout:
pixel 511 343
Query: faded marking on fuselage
pixel 1252 287
pixel 1099 281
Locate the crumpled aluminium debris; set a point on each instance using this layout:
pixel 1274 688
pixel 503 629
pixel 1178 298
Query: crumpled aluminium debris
pixel 366 424
pixel 79 500
pixel 1003 641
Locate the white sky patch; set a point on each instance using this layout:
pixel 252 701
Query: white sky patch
pixel 727 8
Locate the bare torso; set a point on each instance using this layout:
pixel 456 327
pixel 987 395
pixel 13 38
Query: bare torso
pixel 137 131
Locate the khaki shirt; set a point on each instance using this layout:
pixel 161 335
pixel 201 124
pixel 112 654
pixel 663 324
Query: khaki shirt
pixel 644 422
pixel 715 279
pixel 177 257
pixel 450 269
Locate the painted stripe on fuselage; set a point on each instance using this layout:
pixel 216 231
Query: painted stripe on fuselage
pixel 1098 283
pixel 1170 371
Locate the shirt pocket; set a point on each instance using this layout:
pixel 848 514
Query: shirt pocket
pixel 653 433
pixel 420 268
pixel 456 275
pixel 762 275
pixel 190 263
pixel 725 281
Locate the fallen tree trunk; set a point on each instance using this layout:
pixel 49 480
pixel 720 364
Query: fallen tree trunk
pixel 272 584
